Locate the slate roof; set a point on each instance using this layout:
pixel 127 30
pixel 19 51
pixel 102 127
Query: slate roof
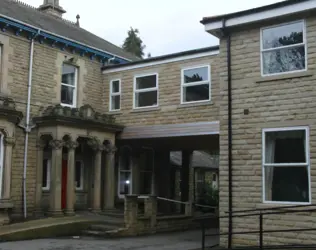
pixel 30 15
pixel 200 159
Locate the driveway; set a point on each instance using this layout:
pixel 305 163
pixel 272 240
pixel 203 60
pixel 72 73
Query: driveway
pixel 184 241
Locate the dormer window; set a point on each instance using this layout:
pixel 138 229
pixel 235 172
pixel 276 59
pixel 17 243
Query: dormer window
pixel 69 86
pixel 283 49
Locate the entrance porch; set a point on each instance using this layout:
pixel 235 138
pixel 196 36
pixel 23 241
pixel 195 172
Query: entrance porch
pixel 75 157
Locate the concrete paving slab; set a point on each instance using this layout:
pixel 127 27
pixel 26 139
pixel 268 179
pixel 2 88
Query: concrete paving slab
pixel 170 241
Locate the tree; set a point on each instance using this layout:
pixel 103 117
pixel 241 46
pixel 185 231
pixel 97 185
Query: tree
pixel 133 43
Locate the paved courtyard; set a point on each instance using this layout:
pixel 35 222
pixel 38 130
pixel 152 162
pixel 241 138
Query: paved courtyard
pixel 184 241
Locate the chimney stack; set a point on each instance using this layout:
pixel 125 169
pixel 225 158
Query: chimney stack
pixel 52 7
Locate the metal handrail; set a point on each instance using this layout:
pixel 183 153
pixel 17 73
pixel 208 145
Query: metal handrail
pixel 270 208
pixel 174 201
pixel 261 213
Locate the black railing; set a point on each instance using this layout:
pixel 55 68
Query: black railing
pixel 261 213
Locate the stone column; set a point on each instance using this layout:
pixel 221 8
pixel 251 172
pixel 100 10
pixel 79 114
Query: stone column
pixel 98 148
pixel 39 176
pixel 55 181
pixel 71 145
pixel 151 210
pixel 109 183
pixel 9 142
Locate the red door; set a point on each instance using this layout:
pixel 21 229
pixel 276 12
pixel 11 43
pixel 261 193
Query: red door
pixel 64 184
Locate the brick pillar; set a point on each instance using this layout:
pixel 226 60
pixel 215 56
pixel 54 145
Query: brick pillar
pixel 9 142
pixel 55 183
pixel 39 176
pixel 130 210
pixel 151 210
pixel 71 145
pixel 109 189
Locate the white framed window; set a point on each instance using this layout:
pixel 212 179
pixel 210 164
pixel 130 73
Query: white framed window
pixel 283 48
pixel 125 173
pixel 79 168
pixel 1 162
pixel 146 91
pixel 115 95
pixel 195 84
pixel 146 173
pixel 69 85
pixel 286 165
pixel 46 174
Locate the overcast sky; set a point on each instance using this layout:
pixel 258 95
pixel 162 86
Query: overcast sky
pixel 166 26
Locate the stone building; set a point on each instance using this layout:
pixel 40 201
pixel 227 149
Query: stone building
pixel 267 141
pixel 83 123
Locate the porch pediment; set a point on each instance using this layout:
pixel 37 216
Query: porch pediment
pixel 85 117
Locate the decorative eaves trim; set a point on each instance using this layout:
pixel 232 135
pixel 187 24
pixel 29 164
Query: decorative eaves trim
pixel 54 38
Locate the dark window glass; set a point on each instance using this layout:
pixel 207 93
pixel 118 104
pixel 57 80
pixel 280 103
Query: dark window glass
pixel 196 93
pixel 116 102
pixel 146 99
pixel 78 174
pixel 115 86
pixel 196 75
pixel 146 82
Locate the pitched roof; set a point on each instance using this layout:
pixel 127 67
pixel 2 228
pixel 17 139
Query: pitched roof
pixel 30 15
pixel 200 159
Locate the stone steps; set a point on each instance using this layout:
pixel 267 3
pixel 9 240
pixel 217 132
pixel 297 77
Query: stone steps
pixel 111 224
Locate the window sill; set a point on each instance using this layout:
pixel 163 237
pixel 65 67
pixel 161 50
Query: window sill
pixel 145 109
pixel 284 76
pixel 115 112
pixel 186 105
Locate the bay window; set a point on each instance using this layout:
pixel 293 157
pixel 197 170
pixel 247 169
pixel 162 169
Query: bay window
pixel 286 165
pixel 283 48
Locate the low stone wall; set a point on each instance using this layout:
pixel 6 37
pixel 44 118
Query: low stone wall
pixel 149 223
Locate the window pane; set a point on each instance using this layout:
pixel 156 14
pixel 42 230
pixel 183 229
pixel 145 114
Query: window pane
pixel 196 75
pixel 285 147
pixel 282 35
pixel 284 60
pixel 145 182
pixel 125 159
pixel 115 86
pixel 116 102
pixel 196 93
pixel 125 182
pixel 146 82
pixel 287 184
pixel 45 177
pixel 78 173
pixel 146 99
pixel 67 95
pixel 146 161
pixel 68 75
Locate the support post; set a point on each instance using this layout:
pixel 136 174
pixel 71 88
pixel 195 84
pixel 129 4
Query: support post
pixel 109 185
pixel 55 182
pixel 39 176
pixel 130 210
pixel 151 211
pixel 71 145
pixel 98 148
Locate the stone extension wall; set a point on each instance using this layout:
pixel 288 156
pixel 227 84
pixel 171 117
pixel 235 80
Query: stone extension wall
pixel 284 101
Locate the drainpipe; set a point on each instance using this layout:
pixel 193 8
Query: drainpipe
pixel 27 128
pixel 230 156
